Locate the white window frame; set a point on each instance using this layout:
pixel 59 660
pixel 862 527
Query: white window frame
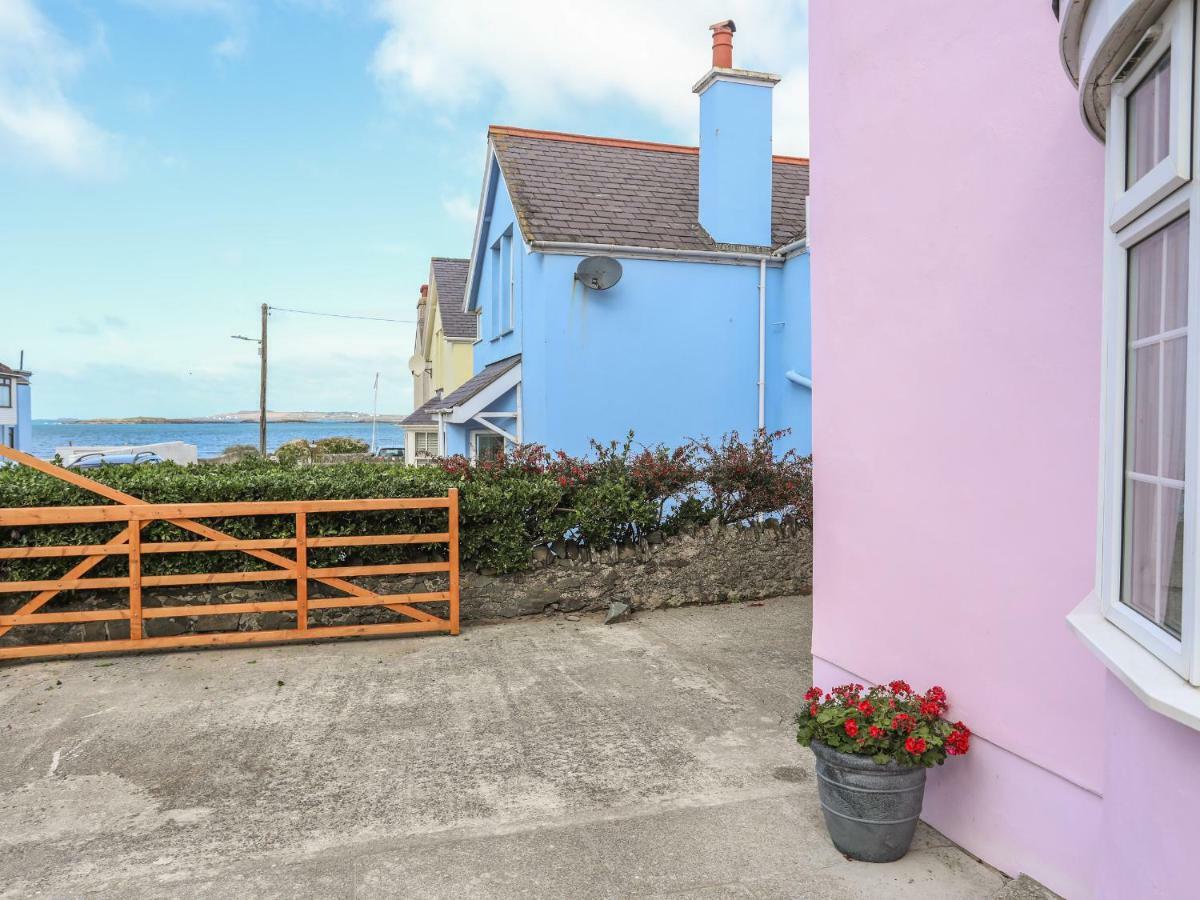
pixel 494 255
pixel 474 436
pixel 417 455
pixel 1175 36
pixel 1136 213
pixel 508 252
pixel 10 390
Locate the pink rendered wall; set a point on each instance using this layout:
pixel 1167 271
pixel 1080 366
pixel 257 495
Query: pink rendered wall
pixel 956 233
pixel 1151 795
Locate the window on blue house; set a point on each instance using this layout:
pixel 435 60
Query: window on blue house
pixel 6 392
pixel 494 301
pixel 506 282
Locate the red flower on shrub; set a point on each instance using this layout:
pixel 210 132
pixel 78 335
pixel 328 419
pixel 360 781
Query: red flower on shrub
pixel 903 722
pixel 851 727
pixel 866 708
pixel 899 687
pixel 930 708
pixel 876 731
pixel 958 741
pixel 813 693
pixel 813 710
pixel 915 746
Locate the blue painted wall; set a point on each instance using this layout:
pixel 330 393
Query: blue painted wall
pixel 735 162
pixel 24 419
pixel 671 351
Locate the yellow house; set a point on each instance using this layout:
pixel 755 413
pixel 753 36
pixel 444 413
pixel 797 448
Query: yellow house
pixel 443 353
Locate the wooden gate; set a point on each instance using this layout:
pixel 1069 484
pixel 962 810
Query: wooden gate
pixel 136 515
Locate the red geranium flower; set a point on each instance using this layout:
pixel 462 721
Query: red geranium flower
pixel 851 727
pixel 866 708
pixel 899 687
pixel 958 741
pixel 915 746
pixel 813 693
pixel 930 708
pixel 902 722
pixel 876 731
pixel 813 710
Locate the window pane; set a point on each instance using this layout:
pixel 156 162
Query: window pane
pixel 1148 116
pixel 1156 427
pixel 1171 569
pixel 1138 578
pixel 1141 411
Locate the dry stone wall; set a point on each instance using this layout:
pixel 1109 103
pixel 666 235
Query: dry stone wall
pixel 708 564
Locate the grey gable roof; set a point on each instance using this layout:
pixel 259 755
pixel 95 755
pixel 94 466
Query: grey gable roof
pixel 450 281
pixel 577 188
pixel 423 414
pixel 477 382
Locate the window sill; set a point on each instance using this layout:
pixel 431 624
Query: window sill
pixel 1152 681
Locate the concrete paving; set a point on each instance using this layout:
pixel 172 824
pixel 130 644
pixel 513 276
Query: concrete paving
pixel 541 758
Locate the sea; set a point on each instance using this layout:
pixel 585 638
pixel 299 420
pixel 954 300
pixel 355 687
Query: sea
pixel 210 438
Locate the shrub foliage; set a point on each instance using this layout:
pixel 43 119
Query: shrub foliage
pixel 523 499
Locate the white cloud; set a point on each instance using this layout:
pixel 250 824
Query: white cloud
pixel 541 57
pixel 37 121
pixel 461 208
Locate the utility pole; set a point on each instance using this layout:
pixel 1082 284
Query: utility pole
pixel 262 379
pixel 374 414
pixel 262 386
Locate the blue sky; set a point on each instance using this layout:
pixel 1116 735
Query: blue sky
pixel 168 165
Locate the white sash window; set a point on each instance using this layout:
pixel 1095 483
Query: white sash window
pixel 1148 542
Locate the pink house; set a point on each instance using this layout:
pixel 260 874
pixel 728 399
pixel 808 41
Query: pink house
pixel 1007 416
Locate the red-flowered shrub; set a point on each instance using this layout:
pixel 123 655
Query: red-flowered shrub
pixel 886 722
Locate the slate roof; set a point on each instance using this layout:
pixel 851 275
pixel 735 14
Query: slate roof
pixel 478 382
pixel 14 373
pixel 579 188
pixel 450 278
pixel 423 414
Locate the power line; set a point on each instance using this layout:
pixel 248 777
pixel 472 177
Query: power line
pixel 309 312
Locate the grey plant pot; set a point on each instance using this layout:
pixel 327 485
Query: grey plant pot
pixel 871 811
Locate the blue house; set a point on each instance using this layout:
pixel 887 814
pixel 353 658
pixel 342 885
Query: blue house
pixel 16 415
pixel 707 328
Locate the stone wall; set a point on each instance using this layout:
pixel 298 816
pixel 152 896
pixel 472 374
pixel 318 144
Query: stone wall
pixel 710 564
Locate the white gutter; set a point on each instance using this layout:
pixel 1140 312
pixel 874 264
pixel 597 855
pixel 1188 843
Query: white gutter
pixel 726 256
pixel 762 344
pixel 788 249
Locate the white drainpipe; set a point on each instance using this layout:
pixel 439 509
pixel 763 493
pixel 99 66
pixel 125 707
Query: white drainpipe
pixel 762 343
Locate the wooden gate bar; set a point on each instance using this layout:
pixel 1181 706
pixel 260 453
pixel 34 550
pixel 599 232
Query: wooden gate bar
pixel 302 571
pixel 136 514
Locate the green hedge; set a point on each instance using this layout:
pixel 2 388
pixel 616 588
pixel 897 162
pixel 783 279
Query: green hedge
pixel 507 507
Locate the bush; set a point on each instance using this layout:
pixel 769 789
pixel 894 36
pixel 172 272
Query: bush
pixel 507 506
pixel 340 444
pixel 294 453
pixel 238 452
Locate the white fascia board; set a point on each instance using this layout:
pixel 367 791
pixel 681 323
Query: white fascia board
pixel 483 218
pixel 1151 680
pixel 467 411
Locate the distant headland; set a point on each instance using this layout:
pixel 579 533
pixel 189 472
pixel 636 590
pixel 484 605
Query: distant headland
pixel 246 416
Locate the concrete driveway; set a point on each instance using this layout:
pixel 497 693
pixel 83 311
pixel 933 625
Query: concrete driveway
pixel 542 758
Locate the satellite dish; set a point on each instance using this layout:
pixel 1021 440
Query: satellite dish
pixel 599 272
pixel 416 364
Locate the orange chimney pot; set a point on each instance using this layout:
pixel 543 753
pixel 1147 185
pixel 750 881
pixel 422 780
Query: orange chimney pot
pixel 722 46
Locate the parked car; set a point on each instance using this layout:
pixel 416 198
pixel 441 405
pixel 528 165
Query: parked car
pixel 396 453
pixel 99 458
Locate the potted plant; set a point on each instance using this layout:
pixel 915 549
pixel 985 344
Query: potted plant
pixel 872 748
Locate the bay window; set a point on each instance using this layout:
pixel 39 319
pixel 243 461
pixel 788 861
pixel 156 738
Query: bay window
pixel 1148 536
